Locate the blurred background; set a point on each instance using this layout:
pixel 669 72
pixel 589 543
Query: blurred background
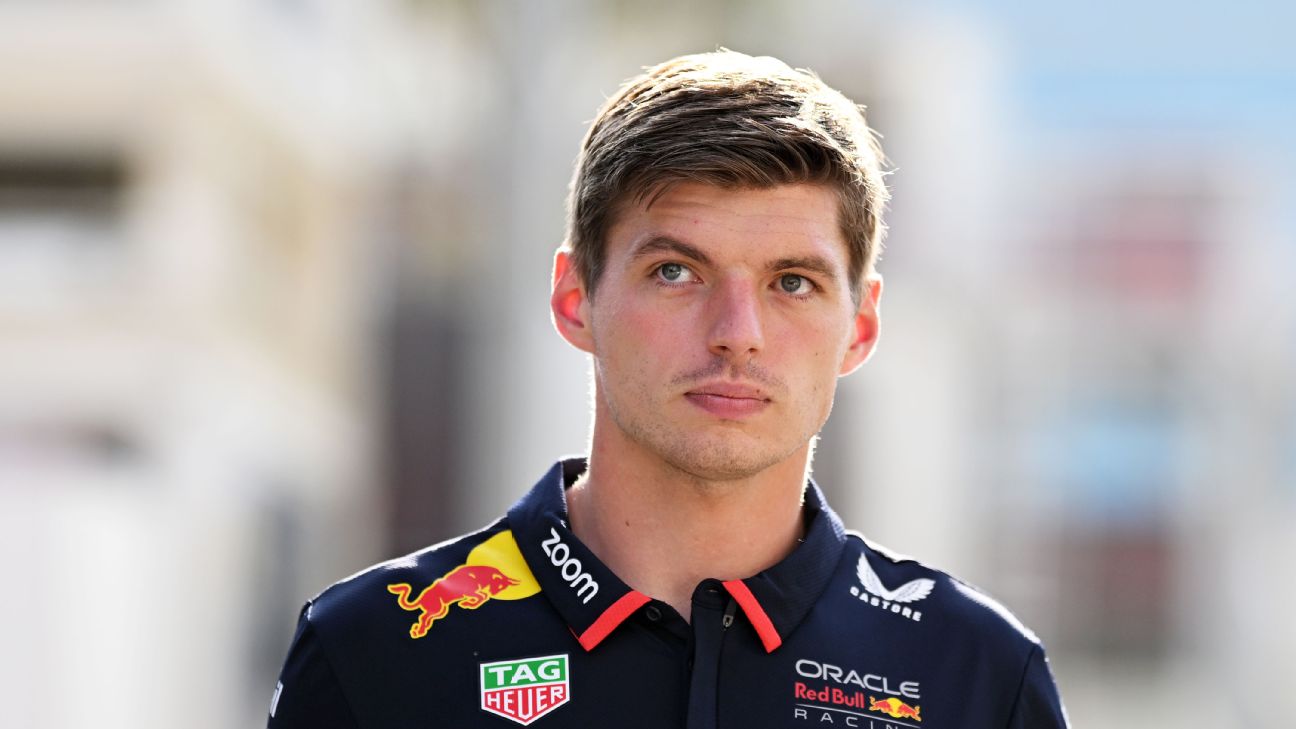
pixel 273 307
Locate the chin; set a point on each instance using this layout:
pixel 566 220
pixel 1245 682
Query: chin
pixel 705 451
pixel 708 460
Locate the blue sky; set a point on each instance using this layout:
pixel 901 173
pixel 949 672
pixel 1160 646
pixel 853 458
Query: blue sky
pixel 1221 73
pixel 1188 66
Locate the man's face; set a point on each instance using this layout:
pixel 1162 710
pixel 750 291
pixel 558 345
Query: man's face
pixel 720 325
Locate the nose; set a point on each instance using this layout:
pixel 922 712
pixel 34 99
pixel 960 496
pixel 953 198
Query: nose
pixel 736 331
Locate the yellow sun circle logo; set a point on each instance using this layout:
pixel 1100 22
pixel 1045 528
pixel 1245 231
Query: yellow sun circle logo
pixel 501 552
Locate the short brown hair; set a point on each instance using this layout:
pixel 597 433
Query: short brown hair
pixel 726 119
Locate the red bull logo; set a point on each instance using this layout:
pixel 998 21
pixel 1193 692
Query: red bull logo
pixel 895 708
pixel 468 585
pixel 494 570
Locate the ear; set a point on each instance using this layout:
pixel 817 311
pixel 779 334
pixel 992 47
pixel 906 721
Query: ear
pixel 867 326
pixel 569 304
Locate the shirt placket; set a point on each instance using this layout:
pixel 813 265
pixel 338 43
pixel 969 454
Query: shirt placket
pixel 713 614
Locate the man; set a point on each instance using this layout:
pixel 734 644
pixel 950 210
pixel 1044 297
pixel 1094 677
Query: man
pixel 725 216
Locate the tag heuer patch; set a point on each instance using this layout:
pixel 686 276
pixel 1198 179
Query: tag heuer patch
pixel 525 689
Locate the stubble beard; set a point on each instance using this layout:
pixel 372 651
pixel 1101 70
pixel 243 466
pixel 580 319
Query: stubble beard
pixel 715 454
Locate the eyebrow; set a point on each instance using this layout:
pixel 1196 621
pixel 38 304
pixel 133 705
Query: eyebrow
pixel 660 243
pixel 814 264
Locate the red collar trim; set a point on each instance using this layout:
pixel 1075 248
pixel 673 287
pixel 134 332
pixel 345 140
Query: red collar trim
pixel 759 620
pixel 628 603
pixel 611 618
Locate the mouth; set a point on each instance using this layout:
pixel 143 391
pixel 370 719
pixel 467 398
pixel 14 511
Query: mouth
pixel 729 401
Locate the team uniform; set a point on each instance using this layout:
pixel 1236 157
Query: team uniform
pixel 521 624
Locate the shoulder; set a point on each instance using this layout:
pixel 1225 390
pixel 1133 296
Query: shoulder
pixel 450 570
pixel 966 650
pixel 370 639
pixel 944 603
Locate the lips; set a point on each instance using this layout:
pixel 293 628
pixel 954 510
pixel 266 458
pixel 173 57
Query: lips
pixel 727 400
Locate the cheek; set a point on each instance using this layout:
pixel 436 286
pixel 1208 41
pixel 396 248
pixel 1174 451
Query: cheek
pixel 636 337
pixel 652 319
pixel 649 326
pixel 814 353
pixel 815 343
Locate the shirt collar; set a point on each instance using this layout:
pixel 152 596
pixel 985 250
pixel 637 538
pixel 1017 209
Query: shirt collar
pixel 594 601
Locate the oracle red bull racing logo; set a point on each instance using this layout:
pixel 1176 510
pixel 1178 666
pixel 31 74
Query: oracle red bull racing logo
pixel 837 695
pixel 494 570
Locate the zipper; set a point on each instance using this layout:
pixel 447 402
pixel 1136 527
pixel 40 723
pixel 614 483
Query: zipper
pixel 730 609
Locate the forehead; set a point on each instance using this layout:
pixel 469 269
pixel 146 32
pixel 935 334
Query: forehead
pixel 774 221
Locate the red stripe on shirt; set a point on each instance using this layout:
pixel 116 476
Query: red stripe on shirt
pixel 611 618
pixel 759 620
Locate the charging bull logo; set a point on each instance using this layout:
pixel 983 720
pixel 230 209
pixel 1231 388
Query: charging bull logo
pixel 494 570
pixel 895 708
pixel 469 585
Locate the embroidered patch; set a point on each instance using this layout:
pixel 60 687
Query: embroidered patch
pixel 494 570
pixel 525 689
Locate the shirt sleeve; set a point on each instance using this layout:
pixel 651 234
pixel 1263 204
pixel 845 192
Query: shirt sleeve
pixel 308 695
pixel 1038 704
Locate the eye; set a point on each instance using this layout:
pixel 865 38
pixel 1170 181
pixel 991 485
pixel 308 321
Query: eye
pixel 674 273
pixel 791 283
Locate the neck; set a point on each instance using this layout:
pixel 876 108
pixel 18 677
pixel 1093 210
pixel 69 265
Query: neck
pixel 662 530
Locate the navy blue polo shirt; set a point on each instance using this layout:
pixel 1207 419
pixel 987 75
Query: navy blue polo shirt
pixel 521 624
